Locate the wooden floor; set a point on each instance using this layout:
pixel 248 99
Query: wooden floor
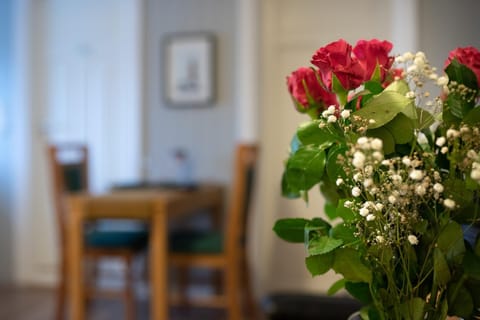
pixel 38 304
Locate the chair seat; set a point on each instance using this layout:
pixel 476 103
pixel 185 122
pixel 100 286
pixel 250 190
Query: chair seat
pixel 113 239
pixel 190 241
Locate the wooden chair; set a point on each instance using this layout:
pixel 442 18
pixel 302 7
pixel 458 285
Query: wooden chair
pixel 224 250
pixel 69 171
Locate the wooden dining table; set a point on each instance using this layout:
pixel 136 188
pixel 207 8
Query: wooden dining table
pixel 156 207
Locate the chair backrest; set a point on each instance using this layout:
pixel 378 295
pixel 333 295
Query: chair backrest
pixel 69 174
pixel 243 179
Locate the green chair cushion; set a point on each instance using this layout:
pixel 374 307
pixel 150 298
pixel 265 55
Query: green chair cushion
pixel 187 241
pixel 114 239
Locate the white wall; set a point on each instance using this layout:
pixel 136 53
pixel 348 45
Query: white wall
pixel 207 133
pixel 78 78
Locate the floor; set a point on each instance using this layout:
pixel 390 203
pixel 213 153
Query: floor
pixel 38 304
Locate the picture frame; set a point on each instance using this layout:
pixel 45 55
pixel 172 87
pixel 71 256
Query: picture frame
pixel 189 75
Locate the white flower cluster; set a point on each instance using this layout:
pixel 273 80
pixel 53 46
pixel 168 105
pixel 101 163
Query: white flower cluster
pixel 387 194
pixel 461 147
pixel 418 72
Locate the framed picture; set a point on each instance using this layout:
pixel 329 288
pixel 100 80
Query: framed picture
pixel 189 69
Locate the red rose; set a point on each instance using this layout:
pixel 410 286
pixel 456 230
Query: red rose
pixel 304 86
pixel 468 56
pixel 371 52
pixel 336 58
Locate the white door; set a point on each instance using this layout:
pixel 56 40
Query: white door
pixel 292 31
pixel 85 87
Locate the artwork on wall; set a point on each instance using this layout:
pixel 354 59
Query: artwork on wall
pixel 189 76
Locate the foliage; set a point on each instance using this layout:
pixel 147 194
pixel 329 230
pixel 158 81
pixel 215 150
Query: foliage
pixel 400 173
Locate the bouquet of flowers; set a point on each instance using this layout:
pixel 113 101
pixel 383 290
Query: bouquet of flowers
pixel 399 168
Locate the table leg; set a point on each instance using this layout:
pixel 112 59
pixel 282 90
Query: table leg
pixel 75 262
pixel 159 265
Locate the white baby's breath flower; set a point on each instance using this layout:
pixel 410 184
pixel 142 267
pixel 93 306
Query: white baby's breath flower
pixel 362 141
pixel 444 150
pixel 364 212
pixel 358 159
pixel 440 141
pixel 406 161
pixel 412 239
pixel 331 109
pixel 357 177
pixel 372 121
pixel 370 217
pixel 377 155
pixel 377 144
pixel 452 133
pixel 437 187
pixel 416 175
pixel 380 239
pixel 379 206
pixel 356 192
pixel 331 119
pixel 472 154
pixel 442 81
pixel 348 204
pixel 420 190
pixel 339 182
pixel 421 138
pixel 368 183
pixel 325 114
pixel 449 203
pixel 412 68
pixel 397 179
pixel 475 175
pixel 345 114
pixel 392 199
pixel 410 95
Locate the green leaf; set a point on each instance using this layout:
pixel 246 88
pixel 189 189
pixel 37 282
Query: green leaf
pixel 425 119
pixel 330 210
pixel 322 245
pixel 311 133
pixel 413 309
pixel 384 107
pixel 291 229
pixel 360 291
pixel 450 242
pixel 305 168
pixel 463 305
pixel 334 169
pixel 441 272
pixel 329 191
pixel 400 86
pixel 473 116
pixel 319 264
pixel 287 190
pixel 338 88
pixel 471 265
pixel 344 232
pixel 401 128
pixel 374 87
pixel 343 212
pixel 334 288
pixel 348 263
pixel 461 74
pixel 385 136
pixel 318 224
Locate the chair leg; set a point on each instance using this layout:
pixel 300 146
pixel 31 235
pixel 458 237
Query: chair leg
pixel 61 292
pixel 130 310
pixel 249 300
pixel 232 284
pixel 183 275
